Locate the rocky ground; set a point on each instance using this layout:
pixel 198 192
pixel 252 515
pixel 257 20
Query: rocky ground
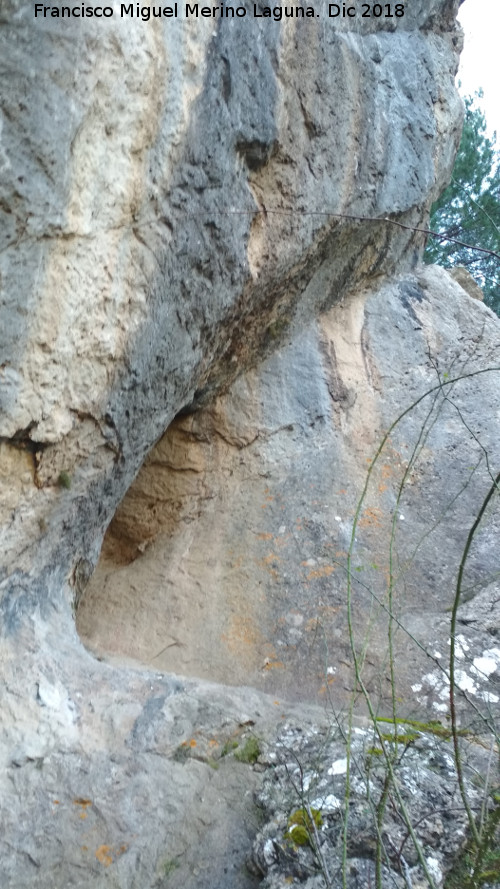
pixel 330 815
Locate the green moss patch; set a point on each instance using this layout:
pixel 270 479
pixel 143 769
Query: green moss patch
pixel 250 751
pixel 300 826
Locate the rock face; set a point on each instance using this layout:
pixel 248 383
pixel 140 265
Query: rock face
pixel 162 214
pixel 228 557
pixel 304 796
pixel 465 279
pixel 207 227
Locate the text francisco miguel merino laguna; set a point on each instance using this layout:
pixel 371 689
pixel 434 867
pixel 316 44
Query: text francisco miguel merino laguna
pixel 190 10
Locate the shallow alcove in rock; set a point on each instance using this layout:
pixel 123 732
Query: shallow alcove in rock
pixel 227 559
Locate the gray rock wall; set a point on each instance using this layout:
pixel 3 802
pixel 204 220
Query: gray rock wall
pixel 227 558
pixel 136 268
pixel 179 201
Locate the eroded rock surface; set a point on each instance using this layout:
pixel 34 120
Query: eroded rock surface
pixel 163 194
pixel 227 559
pixel 162 204
pixel 311 783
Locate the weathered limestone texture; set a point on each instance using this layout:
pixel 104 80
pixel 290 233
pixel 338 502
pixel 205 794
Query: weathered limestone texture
pixel 228 556
pixel 465 279
pixel 180 200
pixel 315 760
pixel 137 272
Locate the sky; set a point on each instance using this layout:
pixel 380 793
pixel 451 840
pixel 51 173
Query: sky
pixel 480 62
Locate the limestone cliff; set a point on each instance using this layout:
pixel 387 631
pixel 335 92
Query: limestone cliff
pixel 209 243
pixel 163 203
pixel 228 556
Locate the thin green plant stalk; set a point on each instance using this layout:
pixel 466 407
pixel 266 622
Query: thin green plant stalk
pixel 382 805
pixel 392 779
pixel 476 204
pixel 424 650
pixel 317 850
pixel 438 521
pixel 358 676
pixel 494 487
pixel 424 433
pixel 484 806
pixel 487 838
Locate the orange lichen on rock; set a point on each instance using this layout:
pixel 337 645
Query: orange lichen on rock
pixel 104 856
pixel 241 631
pixel 271 557
pixel 107 854
pixel 324 688
pixel 322 571
pixel 84 803
pixel 371 516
